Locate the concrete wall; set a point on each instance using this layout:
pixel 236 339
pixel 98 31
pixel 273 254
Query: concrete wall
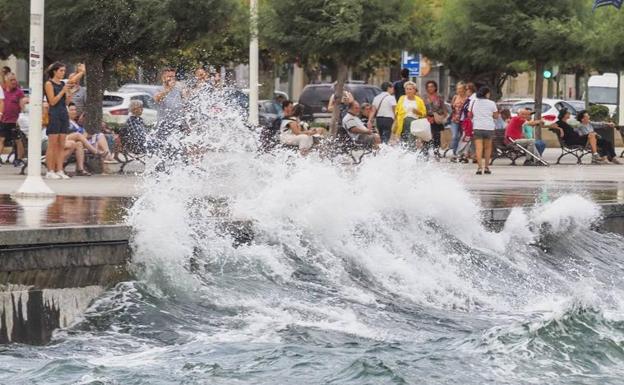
pixel 49 276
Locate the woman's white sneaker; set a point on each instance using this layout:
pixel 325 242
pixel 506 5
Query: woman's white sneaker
pixel 62 175
pixel 52 175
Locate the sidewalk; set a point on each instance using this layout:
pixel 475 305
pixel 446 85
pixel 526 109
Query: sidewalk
pixel 120 185
pixel 504 178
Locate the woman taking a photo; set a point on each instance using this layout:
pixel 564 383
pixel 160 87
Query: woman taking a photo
pixel 456 105
pixel 57 94
pixel 484 111
pixel 409 108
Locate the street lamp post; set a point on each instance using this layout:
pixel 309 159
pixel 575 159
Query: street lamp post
pixel 253 64
pixel 33 185
pixel 620 108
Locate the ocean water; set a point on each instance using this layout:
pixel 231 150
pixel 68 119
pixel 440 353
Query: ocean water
pixel 377 274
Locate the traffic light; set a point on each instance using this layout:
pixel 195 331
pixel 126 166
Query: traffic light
pixel 552 72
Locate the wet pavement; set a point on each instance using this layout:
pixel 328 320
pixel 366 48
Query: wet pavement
pixel 524 193
pixel 104 199
pixel 66 210
pixel 63 211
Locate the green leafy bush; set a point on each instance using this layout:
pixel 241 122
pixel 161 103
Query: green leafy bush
pixel 599 113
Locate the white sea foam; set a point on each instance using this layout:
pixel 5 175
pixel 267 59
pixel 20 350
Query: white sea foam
pixel 395 226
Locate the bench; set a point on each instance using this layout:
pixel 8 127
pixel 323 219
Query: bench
pixel 124 157
pixel 345 145
pixel 576 151
pixel 68 161
pixel 502 150
pixel 129 149
pixel 621 129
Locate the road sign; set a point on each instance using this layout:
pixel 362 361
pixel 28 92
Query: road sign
pixel 411 61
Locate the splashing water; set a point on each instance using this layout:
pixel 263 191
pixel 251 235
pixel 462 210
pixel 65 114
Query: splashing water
pixel 381 274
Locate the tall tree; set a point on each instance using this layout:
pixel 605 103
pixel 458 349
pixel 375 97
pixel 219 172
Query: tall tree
pixel 485 40
pixel 469 41
pixel 604 39
pixel 101 32
pixel 344 31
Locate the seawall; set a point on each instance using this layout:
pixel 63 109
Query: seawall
pixel 49 276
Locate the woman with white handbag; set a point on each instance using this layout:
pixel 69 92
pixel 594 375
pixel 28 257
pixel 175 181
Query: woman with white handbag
pixel 410 107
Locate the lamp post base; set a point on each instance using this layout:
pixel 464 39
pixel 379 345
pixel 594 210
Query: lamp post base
pixel 34 187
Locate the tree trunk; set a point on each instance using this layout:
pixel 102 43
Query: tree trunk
pixel 586 89
pixel 343 71
pixel 578 77
pixel 95 93
pixel 539 94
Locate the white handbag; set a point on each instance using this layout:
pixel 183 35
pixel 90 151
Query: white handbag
pixel 421 128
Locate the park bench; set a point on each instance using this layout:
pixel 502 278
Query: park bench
pixel 502 150
pixel 577 151
pixel 621 129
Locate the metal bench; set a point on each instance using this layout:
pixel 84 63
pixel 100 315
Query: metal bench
pixel 502 150
pixel 621 129
pixel 128 149
pixel 576 151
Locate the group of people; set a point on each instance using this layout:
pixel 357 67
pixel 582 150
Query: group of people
pixel 391 119
pixel 387 119
pixel 62 121
pixel 474 120
pixel 64 125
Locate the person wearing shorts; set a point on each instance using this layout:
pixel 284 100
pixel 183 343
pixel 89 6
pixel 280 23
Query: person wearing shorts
pixel 58 127
pixel 484 111
pixel 14 102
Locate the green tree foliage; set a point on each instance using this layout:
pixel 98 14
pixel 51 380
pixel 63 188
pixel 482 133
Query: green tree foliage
pixel 486 40
pixel 604 40
pixel 346 32
pixel 102 32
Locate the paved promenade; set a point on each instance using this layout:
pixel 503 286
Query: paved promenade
pixel 504 177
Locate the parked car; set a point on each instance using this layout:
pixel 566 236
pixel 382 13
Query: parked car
pixel 579 105
pixel 267 112
pixel 116 107
pixel 150 89
pixel 315 98
pixel 549 106
pixel 275 93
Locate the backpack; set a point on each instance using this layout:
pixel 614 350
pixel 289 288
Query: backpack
pixel 276 125
pixel 269 135
pixel 466 122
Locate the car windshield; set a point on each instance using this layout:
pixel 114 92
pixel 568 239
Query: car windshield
pixel 364 94
pixel 268 108
pixel 150 89
pixel 238 97
pixel 578 105
pixel 316 96
pixel 603 95
pixel 111 101
pixel 530 106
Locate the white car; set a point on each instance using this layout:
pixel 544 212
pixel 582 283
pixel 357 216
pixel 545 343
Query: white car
pixel 550 107
pixel 116 107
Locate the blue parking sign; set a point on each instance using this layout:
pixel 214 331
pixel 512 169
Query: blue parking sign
pixel 411 61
